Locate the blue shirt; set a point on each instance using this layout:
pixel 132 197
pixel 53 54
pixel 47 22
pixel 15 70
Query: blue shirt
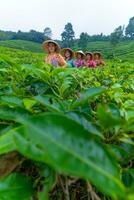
pixel 71 63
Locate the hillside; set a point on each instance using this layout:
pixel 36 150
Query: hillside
pixel 22 45
pixel 21 56
pixel 124 50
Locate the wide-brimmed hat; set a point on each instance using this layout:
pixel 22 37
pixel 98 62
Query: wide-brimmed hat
pixel 97 53
pixel 67 49
pixel 79 52
pixel 88 52
pixel 47 42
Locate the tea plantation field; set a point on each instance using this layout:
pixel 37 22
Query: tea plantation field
pixel 65 134
pixel 124 51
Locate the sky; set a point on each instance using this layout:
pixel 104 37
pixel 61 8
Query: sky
pixel 91 16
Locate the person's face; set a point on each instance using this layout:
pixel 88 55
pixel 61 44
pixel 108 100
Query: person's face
pixel 79 56
pixel 88 56
pixel 97 56
pixel 51 48
pixel 67 54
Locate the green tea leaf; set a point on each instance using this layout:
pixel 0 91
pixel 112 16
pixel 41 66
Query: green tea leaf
pixel 26 147
pixel 11 101
pixel 7 143
pixel 50 181
pixel 89 126
pixel 18 114
pixel 15 187
pixel 108 117
pixel 29 103
pixel 49 102
pixel 69 148
pixel 88 95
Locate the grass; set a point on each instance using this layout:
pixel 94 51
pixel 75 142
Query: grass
pixel 22 45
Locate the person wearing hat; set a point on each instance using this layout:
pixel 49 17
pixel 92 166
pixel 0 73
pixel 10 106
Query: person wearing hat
pixel 68 55
pixel 80 56
pixel 89 62
pixel 54 58
pixel 98 58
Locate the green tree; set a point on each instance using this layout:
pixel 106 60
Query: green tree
pixel 83 41
pixel 3 35
pixel 48 32
pixel 32 35
pixel 130 28
pixel 117 35
pixel 68 36
pixel 6 35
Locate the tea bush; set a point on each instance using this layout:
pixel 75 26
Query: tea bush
pixel 66 133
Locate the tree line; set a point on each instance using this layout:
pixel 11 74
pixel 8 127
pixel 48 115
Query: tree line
pixel 119 34
pixel 68 36
pixel 32 35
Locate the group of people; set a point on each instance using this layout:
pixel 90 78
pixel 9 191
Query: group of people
pixel 68 58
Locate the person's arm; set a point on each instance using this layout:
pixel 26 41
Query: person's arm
pixel 93 63
pixel 46 60
pixel 61 61
pixel 102 62
pixel 78 63
pixel 86 63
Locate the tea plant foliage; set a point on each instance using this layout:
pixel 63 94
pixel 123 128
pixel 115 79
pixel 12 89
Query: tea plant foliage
pixel 66 122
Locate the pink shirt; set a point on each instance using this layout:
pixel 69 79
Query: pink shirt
pixel 79 63
pixel 90 63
